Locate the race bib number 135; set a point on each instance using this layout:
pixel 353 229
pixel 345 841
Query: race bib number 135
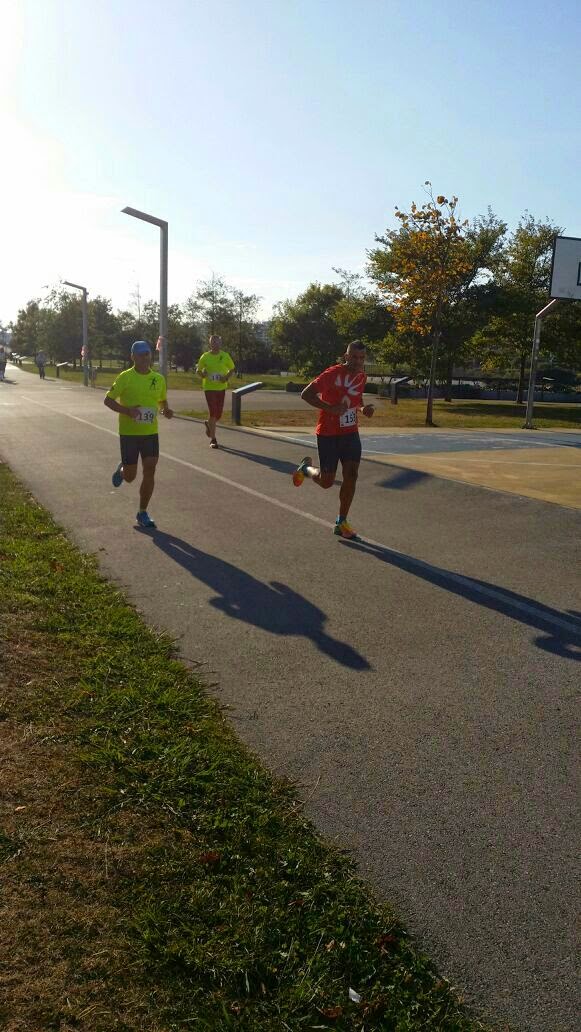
pixel 349 418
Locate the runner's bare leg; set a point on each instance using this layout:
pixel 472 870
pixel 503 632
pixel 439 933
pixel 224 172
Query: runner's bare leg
pixel 347 490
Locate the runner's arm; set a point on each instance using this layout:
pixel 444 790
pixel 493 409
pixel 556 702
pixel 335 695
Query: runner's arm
pixel 121 409
pixel 312 398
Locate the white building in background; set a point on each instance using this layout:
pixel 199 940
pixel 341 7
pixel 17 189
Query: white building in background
pixel 262 331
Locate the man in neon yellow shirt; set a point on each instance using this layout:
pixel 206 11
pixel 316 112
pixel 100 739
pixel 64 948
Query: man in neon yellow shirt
pixel 216 367
pixel 141 393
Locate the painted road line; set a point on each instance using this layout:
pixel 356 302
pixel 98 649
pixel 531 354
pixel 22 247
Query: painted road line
pixel 434 572
pixel 515 462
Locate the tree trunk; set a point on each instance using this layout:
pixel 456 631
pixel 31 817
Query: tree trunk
pixel 449 371
pixel 429 409
pixel 521 378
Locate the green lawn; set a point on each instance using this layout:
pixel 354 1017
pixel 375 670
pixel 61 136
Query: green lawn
pixel 459 415
pixel 177 381
pixel 409 412
pixel 155 877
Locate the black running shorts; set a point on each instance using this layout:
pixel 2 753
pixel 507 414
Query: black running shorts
pixel 134 445
pixel 338 448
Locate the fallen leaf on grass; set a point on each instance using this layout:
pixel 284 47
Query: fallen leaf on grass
pixel 211 857
pixel 331 1012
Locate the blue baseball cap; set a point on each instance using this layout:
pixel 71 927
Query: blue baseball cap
pixel 141 347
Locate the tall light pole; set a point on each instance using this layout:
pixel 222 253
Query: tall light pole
pixel 85 348
pixel 162 282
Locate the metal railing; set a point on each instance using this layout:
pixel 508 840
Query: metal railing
pixel 237 395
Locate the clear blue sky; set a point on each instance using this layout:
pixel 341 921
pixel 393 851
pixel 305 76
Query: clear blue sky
pixel 275 137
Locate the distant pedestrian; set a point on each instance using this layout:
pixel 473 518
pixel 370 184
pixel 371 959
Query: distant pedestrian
pixel 3 358
pixel 215 367
pixel 41 362
pixel 137 395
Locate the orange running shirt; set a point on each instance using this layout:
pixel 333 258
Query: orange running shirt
pixel 334 385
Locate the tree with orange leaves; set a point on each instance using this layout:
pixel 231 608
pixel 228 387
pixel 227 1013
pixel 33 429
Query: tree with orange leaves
pixel 424 267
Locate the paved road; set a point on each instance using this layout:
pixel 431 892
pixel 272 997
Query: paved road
pixel 435 442
pixel 419 687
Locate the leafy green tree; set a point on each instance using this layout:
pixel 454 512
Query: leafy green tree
pixel 212 306
pixel 561 339
pixel 304 331
pixel 352 283
pixel 522 275
pixel 61 327
pixel 103 329
pixel 185 340
pixel 363 317
pixel 245 308
pixel 27 331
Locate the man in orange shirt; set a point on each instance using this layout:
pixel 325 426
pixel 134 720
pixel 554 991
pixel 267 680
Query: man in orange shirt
pixel 338 394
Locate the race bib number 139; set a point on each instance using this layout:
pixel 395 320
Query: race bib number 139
pixel 349 418
pixel 146 415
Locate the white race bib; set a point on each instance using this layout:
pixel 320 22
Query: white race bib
pixel 349 418
pixel 146 415
pixel 216 377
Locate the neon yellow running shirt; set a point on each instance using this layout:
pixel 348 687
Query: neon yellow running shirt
pixel 214 366
pixel 139 390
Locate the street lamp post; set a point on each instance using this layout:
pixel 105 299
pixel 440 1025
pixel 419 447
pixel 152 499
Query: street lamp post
pixel 162 283
pixel 85 348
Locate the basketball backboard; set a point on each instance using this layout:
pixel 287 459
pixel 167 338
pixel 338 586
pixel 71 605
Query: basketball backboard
pixel 566 269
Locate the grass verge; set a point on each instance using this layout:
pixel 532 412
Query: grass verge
pixel 459 415
pixel 155 876
pixel 175 381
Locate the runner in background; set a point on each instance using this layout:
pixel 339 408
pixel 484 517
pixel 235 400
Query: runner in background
pixel 215 367
pixel 41 362
pixel 137 395
pixel 338 394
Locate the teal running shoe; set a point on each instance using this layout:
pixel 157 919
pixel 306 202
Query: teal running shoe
pixel 144 520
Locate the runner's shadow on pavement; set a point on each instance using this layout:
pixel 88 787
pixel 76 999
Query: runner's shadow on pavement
pixel 562 641
pixel 273 607
pixel 279 465
pixel 403 478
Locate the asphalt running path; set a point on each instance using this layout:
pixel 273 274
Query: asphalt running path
pixel 413 442
pixel 419 686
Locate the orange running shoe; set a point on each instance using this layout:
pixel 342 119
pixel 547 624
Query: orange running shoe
pixel 344 530
pixel 299 473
